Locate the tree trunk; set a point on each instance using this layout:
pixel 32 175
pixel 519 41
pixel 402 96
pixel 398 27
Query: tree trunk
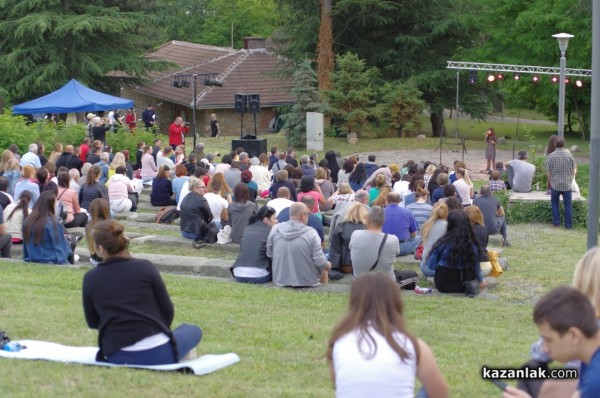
pixel 437 123
pixel 325 57
pixel 582 125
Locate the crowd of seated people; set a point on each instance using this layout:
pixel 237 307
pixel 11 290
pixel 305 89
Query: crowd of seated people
pixel 282 241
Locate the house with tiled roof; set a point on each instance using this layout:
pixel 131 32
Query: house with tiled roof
pixel 252 69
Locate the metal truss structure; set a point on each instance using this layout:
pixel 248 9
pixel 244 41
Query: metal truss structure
pixel 541 70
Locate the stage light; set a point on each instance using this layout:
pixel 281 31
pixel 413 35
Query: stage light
pixel 212 82
pixel 554 79
pixel 578 83
pixel 535 79
pixel 472 76
pixel 567 81
pixel 491 78
pixel 500 76
pixel 517 77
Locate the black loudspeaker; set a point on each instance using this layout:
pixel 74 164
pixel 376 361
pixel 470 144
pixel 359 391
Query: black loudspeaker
pixel 241 103
pixel 254 103
pixel 252 146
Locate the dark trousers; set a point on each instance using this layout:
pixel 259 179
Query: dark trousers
pixel 568 202
pixel 186 337
pixel 79 220
pixel 5 245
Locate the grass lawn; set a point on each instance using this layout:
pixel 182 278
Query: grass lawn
pixel 281 334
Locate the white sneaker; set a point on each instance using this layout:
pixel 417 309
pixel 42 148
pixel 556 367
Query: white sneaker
pixel 76 257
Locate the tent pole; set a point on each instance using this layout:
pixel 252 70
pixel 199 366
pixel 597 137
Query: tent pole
pixel 194 111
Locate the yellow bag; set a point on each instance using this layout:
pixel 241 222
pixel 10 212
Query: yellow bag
pixel 496 268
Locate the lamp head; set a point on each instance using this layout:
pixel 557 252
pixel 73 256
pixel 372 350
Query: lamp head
pixel 563 40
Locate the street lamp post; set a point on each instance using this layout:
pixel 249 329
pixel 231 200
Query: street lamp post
pixel 563 43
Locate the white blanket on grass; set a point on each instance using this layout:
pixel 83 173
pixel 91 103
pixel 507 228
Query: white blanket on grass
pixel 43 350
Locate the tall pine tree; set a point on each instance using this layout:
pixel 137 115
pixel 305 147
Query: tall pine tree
pixel 46 43
pixel 351 98
pixel 307 100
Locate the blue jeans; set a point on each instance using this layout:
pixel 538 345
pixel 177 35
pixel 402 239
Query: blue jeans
pixel 426 271
pixel 190 235
pixel 409 246
pixel 568 202
pixel 186 337
pixel 261 279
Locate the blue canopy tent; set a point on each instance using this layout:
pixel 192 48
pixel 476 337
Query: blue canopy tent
pixel 72 97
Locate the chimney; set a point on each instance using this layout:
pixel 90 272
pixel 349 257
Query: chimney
pixel 254 43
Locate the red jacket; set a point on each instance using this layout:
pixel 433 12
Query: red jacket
pixel 84 151
pixel 176 134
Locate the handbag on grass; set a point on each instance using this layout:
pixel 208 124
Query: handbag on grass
pixel 496 268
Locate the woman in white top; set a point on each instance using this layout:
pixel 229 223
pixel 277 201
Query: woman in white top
pixel 464 186
pixel 370 352
pixel 14 214
pixel 260 172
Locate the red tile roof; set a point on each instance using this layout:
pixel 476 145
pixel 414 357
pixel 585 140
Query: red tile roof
pixel 242 71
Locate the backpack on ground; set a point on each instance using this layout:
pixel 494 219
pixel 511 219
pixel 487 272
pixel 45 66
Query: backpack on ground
pixel 166 215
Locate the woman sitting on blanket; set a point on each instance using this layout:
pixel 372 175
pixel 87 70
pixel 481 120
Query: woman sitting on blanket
pixel 127 301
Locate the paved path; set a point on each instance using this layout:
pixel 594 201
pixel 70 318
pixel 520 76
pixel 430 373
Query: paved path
pixel 473 158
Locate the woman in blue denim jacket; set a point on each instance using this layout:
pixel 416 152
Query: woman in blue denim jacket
pixel 43 236
pixel 455 256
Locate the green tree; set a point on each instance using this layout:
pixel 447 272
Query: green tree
pixel 218 22
pixel 404 39
pixel 507 37
pixel 351 98
pixel 46 43
pixel 403 105
pixel 307 100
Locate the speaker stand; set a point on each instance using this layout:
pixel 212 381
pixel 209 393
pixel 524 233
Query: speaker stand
pixel 254 124
pixel 241 125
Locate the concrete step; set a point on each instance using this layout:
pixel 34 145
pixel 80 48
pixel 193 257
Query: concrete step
pixel 165 263
pixel 165 240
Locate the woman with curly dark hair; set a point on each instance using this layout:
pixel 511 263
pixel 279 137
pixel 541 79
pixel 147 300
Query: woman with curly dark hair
pixel 455 256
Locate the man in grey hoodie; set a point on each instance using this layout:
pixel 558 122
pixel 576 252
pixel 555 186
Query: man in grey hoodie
pixel 298 260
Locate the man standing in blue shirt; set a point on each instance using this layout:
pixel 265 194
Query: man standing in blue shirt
pixel 567 324
pixel 399 221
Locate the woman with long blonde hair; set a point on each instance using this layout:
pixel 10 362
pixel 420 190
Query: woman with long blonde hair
pixel 378 194
pixel 6 156
pixel 433 229
pixel 370 351
pixel 58 150
pixel 464 186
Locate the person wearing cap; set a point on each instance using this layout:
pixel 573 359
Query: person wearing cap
pixel 520 173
